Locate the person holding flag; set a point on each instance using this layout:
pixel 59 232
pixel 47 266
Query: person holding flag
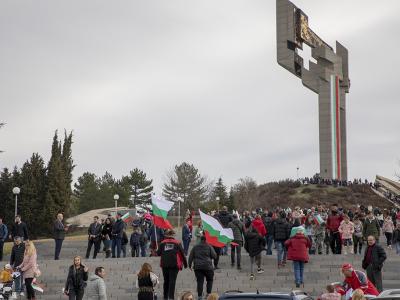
pixel 160 208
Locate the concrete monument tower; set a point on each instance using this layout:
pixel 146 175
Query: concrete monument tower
pixel 328 77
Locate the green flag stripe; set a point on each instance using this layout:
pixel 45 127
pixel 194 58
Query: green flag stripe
pixel 222 238
pixel 159 212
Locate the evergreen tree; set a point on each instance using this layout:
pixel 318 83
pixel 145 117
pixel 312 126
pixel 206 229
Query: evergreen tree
pixel 219 191
pixel 186 182
pixel 67 166
pixel 139 187
pixel 6 196
pixel 87 192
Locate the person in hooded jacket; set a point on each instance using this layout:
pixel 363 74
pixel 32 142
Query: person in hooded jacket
pixel 254 245
pixel 201 257
pixel 259 226
pixel 280 233
pixel 76 280
pixel 298 247
pixel 238 231
pixel 96 287
pixel 172 261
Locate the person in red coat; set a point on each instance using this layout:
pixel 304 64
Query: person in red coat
pixel 258 225
pixel 356 280
pixel 298 247
pixel 332 224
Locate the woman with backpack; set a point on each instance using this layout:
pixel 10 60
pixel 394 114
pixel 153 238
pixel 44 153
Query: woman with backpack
pixel 76 280
pixel 146 282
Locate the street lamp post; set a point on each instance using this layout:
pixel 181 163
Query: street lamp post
pixel 179 199
pixel 217 199
pixel 16 192
pixel 297 173
pixel 116 197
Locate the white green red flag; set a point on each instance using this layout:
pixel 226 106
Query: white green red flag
pixel 161 207
pixel 127 218
pixel 318 219
pixel 215 234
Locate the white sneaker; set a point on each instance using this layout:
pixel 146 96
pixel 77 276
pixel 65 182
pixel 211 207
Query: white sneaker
pixel 22 294
pixel 14 295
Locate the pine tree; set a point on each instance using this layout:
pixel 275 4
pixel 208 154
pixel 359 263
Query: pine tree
pixel 67 166
pixel 186 182
pixel 139 187
pixel 219 191
pixel 6 196
pixel 87 191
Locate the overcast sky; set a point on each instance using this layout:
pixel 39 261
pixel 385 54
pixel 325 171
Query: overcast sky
pixel 151 84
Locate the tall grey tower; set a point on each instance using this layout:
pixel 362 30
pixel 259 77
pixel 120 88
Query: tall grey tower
pixel 328 77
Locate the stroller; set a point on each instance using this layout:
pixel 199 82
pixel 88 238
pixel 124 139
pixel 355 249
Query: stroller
pixel 7 289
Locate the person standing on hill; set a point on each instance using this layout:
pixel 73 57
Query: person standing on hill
pixel 19 229
pixel 106 236
pixel 76 280
pixel 298 247
pixel 172 261
pixel 59 235
pixel 201 256
pixel 374 258
pixel 371 227
pixel 238 231
pixel 94 237
pixel 332 224
pixel 3 237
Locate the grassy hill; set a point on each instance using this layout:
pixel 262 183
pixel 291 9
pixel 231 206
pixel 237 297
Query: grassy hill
pixel 290 194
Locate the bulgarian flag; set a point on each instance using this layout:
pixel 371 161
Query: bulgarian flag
pixel 215 234
pixel 161 207
pixel 127 217
pixel 296 230
pixel 318 219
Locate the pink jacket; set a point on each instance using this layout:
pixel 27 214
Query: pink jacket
pixel 29 266
pixel 388 225
pixel 346 230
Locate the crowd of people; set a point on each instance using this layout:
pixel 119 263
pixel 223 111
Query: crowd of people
pixel 296 234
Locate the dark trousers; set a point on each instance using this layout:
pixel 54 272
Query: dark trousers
pixel 375 276
pixel 218 252
pixel 1 250
pixel 75 294
pixel 357 244
pixel 270 240
pixel 389 236
pixel 238 250
pixel 116 243
pixel 336 243
pixel 135 251
pixel 57 251
pixel 200 275
pixel 169 275
pixel 143 250
pixel 96 243
pixel 30 292
pixel 186 244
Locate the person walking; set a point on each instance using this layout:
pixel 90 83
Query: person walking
pixel 19 229
pixel 298 247
pixel 198 232
pixel 3 237
pixel 387 229
pixel 186 237
pixel 94 237
pixel 280 233
pixel 96 287
pixel 106 236
pixel 396 238
pixel 29 268
pixel 332 224
pixel 346 230
pixel 254 245
pixel 201 257
pixel 146 282
pixel 172 260
pixel 224 217
pixel 358 235
pixel 371 227
pixel 116 234
pixel 16 259
pixel 374 258
pixel 76 280
pixel 59 235
pixel 156 236
pixel 236 247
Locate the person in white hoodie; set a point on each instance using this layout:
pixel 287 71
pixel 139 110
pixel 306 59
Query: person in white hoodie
pixel 96 287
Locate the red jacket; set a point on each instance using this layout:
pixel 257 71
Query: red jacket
pixel 359 280
pixel 259 226
pixel 333 222
pixel 298 247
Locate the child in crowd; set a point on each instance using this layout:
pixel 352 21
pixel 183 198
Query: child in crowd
pixel 135 241
pixel 346 230
pixel 331 293
pixel 6 274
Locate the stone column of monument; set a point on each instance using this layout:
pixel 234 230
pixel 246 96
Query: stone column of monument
pixel 328 77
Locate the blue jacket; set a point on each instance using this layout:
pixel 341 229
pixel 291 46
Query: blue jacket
pixel 3 232
pixel 186 234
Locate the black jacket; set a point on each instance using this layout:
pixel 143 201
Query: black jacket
pixel 172 255
pixel 106 231
pixel 118 229
pixel 201 256
pixel 281 230
pixel 76 279
pixel 59 232
pixel 378 257
pixel 20 230
pixel 254 243
pixel 268 223
pixel 237 229
pixel 95 229
pixel 17 254
pixel 225 218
